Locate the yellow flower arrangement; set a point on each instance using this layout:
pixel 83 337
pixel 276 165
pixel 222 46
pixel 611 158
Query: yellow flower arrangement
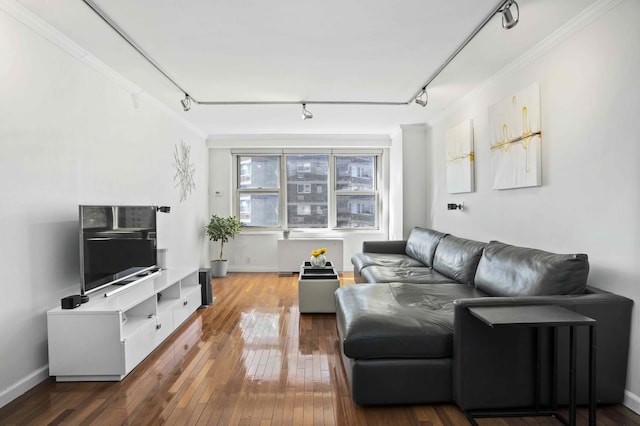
pixel 318 252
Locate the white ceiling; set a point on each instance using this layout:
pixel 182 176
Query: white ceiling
pixel 293 50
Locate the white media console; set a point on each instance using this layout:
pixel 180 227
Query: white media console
pixel 107 337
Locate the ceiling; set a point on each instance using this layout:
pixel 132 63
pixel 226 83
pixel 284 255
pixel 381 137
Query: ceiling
pixel 292 51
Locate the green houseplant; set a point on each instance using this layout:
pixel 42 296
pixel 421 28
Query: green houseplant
pixel 222 229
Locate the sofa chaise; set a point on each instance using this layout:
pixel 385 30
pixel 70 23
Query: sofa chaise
pixel 407 336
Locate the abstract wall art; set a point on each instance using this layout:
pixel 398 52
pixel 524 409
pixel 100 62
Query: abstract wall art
pixel 460 158
pixel 184 170
pixel 515 137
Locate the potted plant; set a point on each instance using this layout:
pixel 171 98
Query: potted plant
pixel 222 229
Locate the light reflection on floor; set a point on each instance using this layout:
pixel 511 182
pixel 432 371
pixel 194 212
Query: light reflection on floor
pixel 264 334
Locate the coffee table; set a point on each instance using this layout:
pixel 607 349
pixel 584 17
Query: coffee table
pixel 316 286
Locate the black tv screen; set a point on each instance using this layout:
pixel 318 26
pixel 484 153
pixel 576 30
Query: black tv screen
pixel 116 243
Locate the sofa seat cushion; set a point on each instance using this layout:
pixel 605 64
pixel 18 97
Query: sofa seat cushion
pixel 398 320
pixel 362 260
pixel 506 270
pixel 418 275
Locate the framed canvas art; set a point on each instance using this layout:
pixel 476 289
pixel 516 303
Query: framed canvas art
pixel 460 158
pixel 515 137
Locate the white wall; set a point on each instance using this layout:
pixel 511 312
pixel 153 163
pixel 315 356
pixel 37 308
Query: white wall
pixel 415 179
pixel 257 251
pixel 69 135
pixel 396 187
pixel 590 197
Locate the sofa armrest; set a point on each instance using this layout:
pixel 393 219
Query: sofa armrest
pixel 495 368
pixel 392 247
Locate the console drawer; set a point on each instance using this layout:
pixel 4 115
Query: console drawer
pixel 188 304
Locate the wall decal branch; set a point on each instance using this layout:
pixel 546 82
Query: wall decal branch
pixel 184 170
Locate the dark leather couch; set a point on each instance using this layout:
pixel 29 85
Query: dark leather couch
pixel 407 336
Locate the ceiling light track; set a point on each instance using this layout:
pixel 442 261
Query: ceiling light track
pixel 298 103
pixel 135 45
pixel 500 8
pixel 420 96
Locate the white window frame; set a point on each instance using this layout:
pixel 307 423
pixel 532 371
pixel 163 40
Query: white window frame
pixel 332 195
pixel 239 191
pixel 377 182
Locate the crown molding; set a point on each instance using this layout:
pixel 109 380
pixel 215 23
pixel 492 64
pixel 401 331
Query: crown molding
pixel 278 141
pixel 48 32
pixel 421 127
pixel 584 18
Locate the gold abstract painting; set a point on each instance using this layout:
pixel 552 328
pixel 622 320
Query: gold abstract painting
pixel 515 137
pixel 460 158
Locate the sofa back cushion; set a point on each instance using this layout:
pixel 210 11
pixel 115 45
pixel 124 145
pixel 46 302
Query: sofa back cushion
pixel 422 244
pixel 457 258
pixel 506 270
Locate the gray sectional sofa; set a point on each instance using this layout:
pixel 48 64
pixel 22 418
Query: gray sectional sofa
pixel 407 336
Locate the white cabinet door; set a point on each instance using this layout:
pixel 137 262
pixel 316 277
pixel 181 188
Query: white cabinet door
pixel 83 344
pixel 138 346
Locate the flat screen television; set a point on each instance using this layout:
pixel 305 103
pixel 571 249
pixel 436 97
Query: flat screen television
pixel 116 244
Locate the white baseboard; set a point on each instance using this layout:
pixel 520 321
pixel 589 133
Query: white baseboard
pixel 632 401
pixel 12 392
pixel 250 268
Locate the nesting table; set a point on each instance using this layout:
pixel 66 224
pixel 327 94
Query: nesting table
pixel 538 317
pixel 316 286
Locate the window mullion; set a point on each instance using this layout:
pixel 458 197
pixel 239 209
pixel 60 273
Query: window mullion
pixel 331 193
pixel 284 213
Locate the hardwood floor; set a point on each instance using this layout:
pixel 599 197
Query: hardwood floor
pixel 249 359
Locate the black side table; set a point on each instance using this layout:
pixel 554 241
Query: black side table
pixel 538 317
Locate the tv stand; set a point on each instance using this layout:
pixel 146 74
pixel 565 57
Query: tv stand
pixel 107 337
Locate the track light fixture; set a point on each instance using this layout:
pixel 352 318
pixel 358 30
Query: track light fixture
pixel 423 98
pixel 186 103
pixel 306 115
pixel 508 20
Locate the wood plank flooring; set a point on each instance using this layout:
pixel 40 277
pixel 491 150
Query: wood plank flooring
pixel 249 359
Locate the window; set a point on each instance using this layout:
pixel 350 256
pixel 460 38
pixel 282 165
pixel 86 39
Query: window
pixel 303 167
pixel 304 188
pixel 315 174
pixel 259 191
pixel 315 191
pixel 356 195
pixel 303 209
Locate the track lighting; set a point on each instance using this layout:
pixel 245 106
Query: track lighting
pixel 186 103
pixel 508 20
pixel 306 114
pixel 423 98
